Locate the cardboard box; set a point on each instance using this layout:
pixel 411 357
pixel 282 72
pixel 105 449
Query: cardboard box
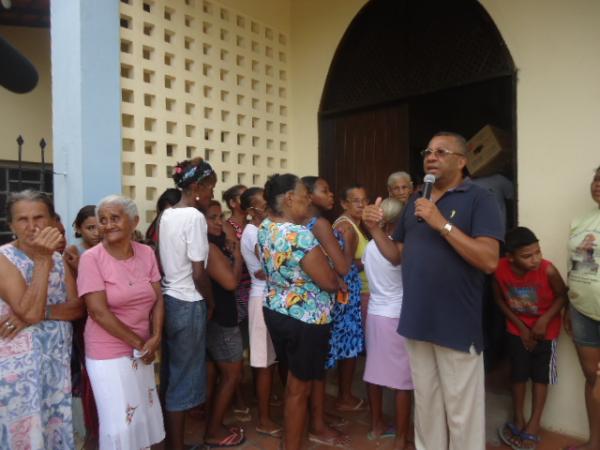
pixel 488 151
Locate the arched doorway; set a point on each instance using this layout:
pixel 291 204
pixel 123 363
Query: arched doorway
pixel 404 70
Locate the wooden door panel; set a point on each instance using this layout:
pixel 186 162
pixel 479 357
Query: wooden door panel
pixel 364 147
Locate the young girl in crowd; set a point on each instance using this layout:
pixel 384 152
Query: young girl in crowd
pixel 167 199
pixel 531 294
pixel 233 228
pixel 223 337
pixel 88 233
pixel 387 362
pixel 347 337
pixel 262 353
pixel 86 228
pixel 322 200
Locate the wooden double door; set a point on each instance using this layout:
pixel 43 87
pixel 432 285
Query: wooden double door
pixel 364 147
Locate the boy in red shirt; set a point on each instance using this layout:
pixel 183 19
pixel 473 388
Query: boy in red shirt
pixel 531 293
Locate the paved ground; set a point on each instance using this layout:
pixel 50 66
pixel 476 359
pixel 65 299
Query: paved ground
pixel 497 411
pixel 357 430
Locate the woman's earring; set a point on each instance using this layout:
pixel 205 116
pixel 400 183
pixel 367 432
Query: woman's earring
pixel 197 198
pixel 248 218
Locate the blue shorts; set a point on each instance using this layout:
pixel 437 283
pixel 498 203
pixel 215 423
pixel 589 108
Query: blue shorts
pixel 586 331
pixel 183 359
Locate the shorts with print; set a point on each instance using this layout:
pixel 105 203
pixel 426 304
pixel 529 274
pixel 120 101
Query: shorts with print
pixel 223 344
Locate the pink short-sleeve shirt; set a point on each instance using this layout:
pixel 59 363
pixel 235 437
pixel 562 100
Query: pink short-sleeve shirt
pixel 129 293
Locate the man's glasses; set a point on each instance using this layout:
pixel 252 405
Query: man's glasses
pixel 439 153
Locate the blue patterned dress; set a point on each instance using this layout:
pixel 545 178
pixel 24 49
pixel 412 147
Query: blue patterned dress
pixel 347 334
pixel 35 373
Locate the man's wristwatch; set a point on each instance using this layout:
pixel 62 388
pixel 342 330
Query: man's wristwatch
pixel 446 229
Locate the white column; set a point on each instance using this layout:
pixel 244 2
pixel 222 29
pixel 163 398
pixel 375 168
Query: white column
pixel 86 101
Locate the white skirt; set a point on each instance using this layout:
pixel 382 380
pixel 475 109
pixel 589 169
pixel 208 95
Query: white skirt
pixel 262 353
pixel 128 407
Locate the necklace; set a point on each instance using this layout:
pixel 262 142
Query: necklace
pixel 131 275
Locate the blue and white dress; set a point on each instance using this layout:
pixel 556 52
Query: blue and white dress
pixel 347 334
pixel 35 373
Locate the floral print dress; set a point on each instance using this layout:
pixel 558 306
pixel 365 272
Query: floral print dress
pixel 35 372
pixel 290 291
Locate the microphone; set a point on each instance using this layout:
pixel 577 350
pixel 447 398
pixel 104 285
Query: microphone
pixel 18 74
pixel 428 182
pixel 428 185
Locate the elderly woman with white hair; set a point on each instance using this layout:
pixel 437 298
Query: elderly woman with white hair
pixel 119 281
pixel 387 363
pixel 400 186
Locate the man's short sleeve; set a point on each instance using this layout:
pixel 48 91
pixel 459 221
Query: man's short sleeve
pixel 399 230
pixel 487 219
pixel 196 236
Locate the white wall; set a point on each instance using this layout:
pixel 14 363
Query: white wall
pixel 275 13
pixel 555 49
pixel 316 30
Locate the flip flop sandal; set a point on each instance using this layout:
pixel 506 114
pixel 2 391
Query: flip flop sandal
pixel 276 433
pixel 242 415
pixel 527 437
pixel 360 406
pixel 510 434
pixel 390 432
pixel 334 441
pixel 233 440
pixel 336 422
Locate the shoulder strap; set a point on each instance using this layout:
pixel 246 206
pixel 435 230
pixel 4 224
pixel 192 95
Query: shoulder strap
pixel 346 219
pixel 340 220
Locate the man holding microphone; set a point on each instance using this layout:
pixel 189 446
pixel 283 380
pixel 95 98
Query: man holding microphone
pixel 447 240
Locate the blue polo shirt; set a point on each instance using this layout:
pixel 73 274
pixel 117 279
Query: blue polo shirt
pixel 443 294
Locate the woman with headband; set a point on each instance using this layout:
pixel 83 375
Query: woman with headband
pixel 183 250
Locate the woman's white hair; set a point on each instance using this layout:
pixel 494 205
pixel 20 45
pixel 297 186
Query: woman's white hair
pixel 128 205
pixel 398 176
pixel 391 209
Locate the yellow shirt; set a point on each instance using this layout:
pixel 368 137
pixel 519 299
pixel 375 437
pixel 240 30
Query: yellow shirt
pixel 360 251
pixel 584 264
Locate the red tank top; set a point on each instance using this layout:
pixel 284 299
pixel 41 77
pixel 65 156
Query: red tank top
pixel 528 296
